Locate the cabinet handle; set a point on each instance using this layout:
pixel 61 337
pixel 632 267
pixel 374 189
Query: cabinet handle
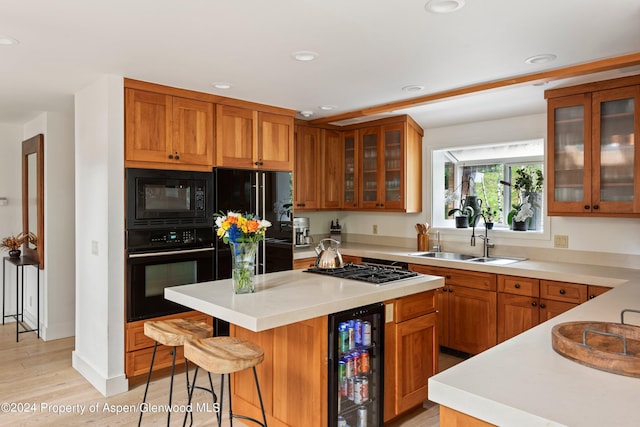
pixel 447 276
pixel 596 207
pixel 592 296
pixel 257 163
pixel 562 292
pixel 587 207
pixel 517 285
pixel 542 305
pixel 533 304
pixel 171 156
pixel 177 157
pixel 300 205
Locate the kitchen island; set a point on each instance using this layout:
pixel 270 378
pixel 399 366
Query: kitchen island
pixel 288 317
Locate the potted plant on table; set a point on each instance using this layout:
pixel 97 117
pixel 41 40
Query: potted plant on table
pixel 13 243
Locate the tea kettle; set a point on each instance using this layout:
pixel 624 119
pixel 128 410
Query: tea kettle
pixel 328 257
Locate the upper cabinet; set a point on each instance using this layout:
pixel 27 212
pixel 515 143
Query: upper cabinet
pixel 592 156
pixel 167 130
pixel 331 167
pixel 253 139
pixel 350 181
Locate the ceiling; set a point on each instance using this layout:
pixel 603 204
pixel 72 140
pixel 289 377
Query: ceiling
pixel 368 51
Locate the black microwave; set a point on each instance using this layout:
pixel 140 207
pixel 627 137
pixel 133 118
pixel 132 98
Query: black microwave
pixel 161 198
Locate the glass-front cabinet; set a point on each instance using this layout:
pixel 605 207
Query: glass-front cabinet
pixel 592 153
pixel 350 191
pixel 382 166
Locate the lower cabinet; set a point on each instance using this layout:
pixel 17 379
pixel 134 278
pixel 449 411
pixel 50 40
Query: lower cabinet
pixel 303 263
pixel 467 306
pixel 139 347
pixel 411 351
pixel 293 375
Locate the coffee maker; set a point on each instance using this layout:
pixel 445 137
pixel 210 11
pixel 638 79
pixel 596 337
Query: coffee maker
pixel 301 232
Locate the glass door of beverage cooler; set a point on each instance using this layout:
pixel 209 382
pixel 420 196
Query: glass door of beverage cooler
pixel 356 361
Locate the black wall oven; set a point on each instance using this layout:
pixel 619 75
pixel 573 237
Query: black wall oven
pixel 161 258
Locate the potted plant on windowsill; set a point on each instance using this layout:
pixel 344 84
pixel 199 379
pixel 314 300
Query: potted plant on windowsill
pixel 465 216
pixel 529 183
pixel 489 215
pixel 520 215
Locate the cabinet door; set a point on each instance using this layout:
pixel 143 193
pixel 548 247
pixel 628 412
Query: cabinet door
pixel 147 126
pixel 594 291
pixel 193 131
pixel 275 142
pixel 569 154
pixel 371 167
pixel 307 169
pixel 616 124
pixel 416 360
pixel 550 309
pixel 393 160
pixel 235 137
pixel 442 304
pixel 351 175
pixel 516 314
pixel 472 319
pixel 330 177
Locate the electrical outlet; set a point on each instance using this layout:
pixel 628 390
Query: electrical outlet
pixel 560 241
pixel 375 228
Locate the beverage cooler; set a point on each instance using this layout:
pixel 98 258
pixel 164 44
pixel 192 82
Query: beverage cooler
pixel 356 361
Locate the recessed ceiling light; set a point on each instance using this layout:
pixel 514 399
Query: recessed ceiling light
pixel 444 6
pixel 221 85
pixel 327 107
pixel 540 59
pixel 306 113
pixel 7 41
pixel 304 55
pixel 413 88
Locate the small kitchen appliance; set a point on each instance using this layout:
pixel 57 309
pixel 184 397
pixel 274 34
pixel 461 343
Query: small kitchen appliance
pixel 301 229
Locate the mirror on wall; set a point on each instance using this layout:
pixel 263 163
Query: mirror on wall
pixel 33 197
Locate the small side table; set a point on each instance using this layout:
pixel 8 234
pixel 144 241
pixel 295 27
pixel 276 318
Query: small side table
pixel 20 264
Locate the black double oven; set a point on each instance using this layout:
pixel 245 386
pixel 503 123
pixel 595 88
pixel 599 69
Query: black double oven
pixel 169 237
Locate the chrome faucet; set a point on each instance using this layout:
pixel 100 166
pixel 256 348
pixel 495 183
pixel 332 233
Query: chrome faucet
pixel 437 247
pixel 486 245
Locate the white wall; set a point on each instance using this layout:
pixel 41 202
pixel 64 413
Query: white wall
pixel 99 162
pixel 11 188
pixel 611 235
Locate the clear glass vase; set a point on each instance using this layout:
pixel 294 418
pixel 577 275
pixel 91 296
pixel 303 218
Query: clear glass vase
pixel 243 260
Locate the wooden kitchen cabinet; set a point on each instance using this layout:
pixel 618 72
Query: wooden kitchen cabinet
pixel 411 351
pixel 468 308
pixel 162 130
pixel 139 347
pixel 593 158
pixel 331 168
pixel 251 139
pixel 595 291
pixel 388 167
pixel 351 182
pixel 307 169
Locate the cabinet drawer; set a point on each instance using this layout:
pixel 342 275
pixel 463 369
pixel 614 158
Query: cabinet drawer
pixel 413 306
pixel 469 279
pixel 135 339
pixel 594 291
pixel 138 362
pixel 519 285
pixel 563 291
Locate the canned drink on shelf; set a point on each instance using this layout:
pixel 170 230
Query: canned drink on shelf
pixel 352 337
pixel 358 327
pixel 342 370
pixel 350 388
pixel 341 421
pixel 364 389
pixel 350 370
pixel 344 387
pixel 356 362
pixel 343 337
pixel 366 333
pixel 361 417
pixel 365 362
pixel 357 391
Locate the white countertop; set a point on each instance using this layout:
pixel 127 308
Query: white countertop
pixel 290 296
pixel 524 382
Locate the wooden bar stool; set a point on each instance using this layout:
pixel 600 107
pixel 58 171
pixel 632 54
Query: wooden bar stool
pixel 173 333
pixel 225 355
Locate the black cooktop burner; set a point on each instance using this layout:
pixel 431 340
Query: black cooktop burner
pixel 365 273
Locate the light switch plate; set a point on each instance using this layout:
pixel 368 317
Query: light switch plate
pixel 560 241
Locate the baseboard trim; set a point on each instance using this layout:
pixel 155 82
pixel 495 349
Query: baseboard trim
pixel 106 386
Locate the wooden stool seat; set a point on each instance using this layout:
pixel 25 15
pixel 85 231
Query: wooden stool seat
pixel 173 332
pixel 223 355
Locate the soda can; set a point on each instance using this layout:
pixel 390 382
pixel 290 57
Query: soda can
pixel 341 421
pixel 361 417
pixel 356 362
pixel 366 333
pixel 350 371
pixel 358 327
pixel 350 388
pixel 357 391
pixel 364 389
pixel 352 337
pixel 343 337
pixel 365 362
pixel 342 370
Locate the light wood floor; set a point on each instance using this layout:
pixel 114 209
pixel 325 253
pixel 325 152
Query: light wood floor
pixel 42 389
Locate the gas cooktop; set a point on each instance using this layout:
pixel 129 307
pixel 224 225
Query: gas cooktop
pixel 365 273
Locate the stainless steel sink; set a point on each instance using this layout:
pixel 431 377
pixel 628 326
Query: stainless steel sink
pixel 445 255
pixel 496 260
pixel 470 258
